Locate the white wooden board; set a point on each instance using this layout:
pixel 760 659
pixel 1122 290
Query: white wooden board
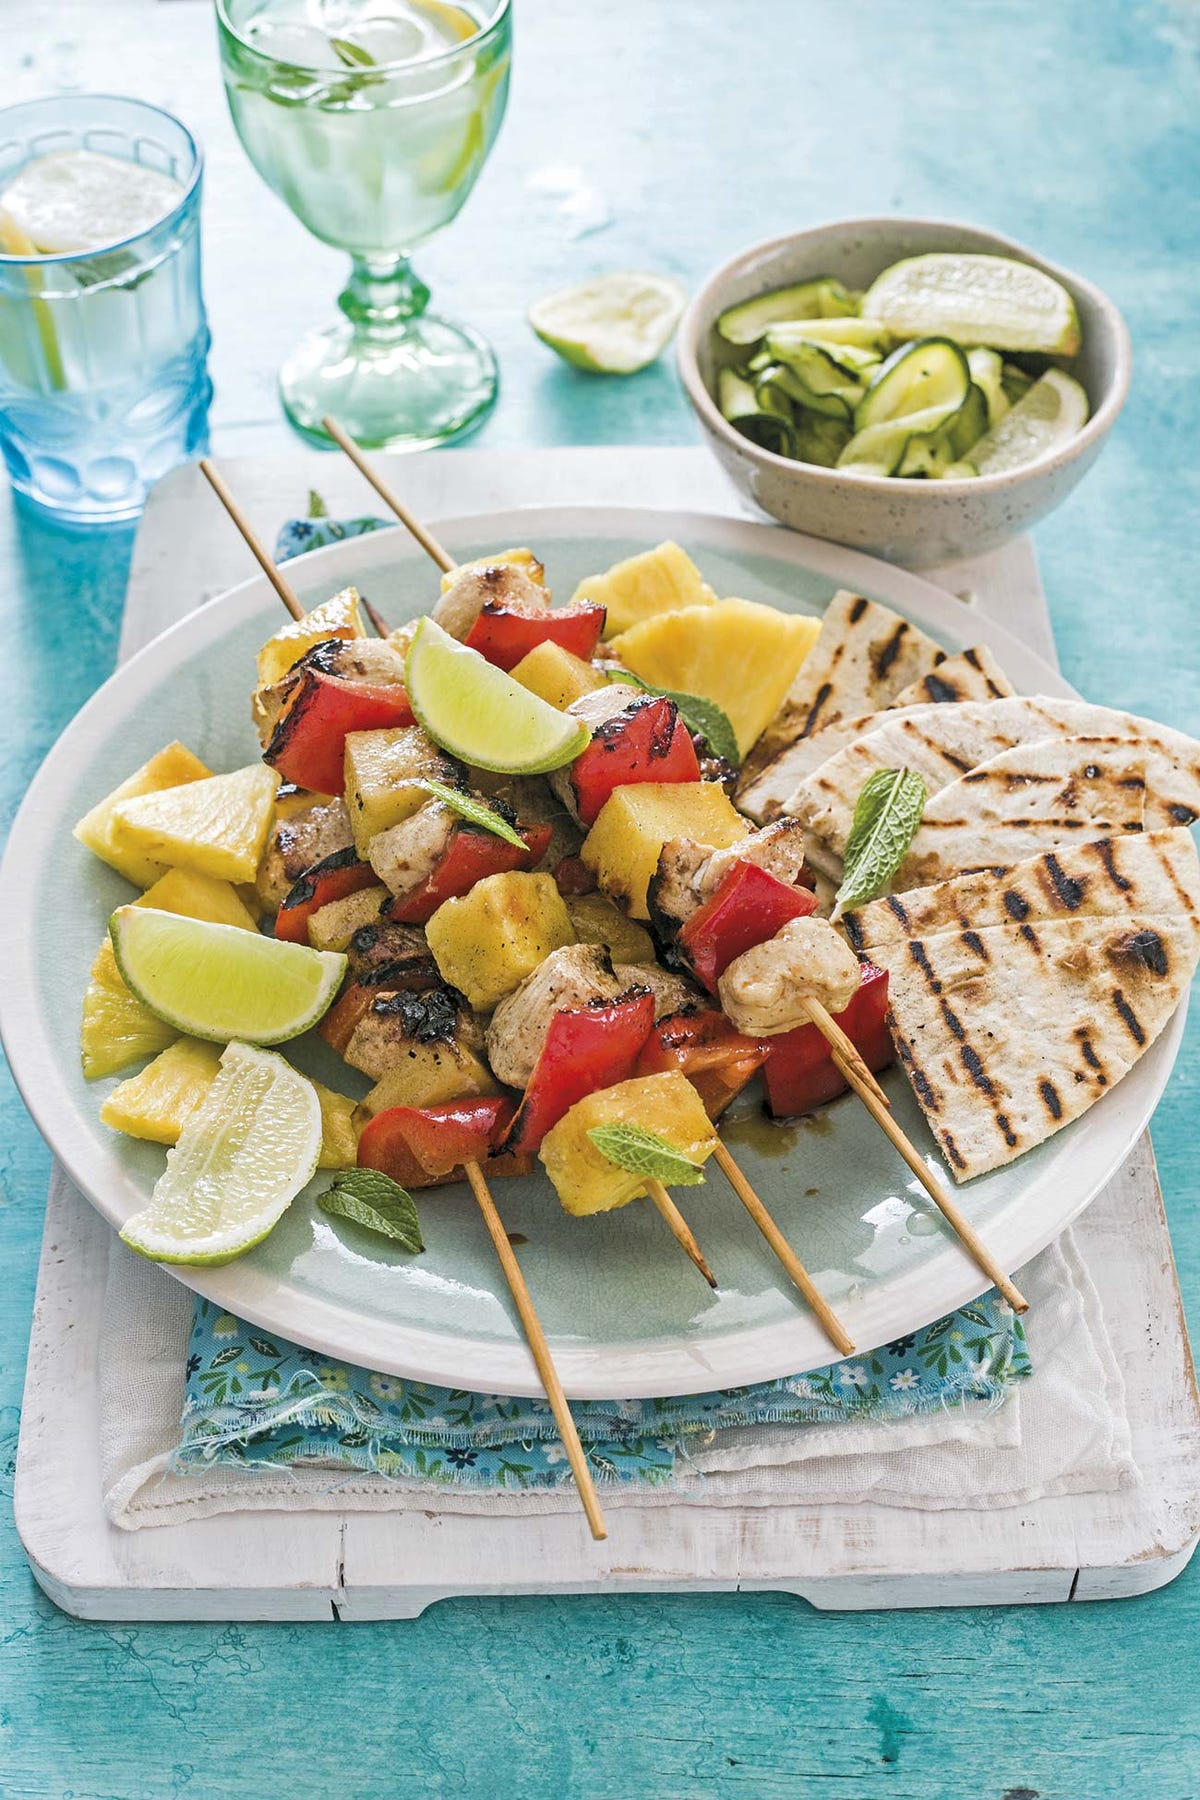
pixel 369 1566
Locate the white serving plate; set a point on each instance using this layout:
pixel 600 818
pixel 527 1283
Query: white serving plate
pixel 626 1314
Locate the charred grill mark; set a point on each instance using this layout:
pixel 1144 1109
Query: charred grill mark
pixel 917 951
pixel 1182 815
pixel 1069 891
pixel 1105 851
pixel 303 889
pixel 973 1064
pixel 663 734
pixel 956 762
pixel 1031 937
pixel 997 693
pixel 854 931
pixel 1137 782
pixel 897 907
pixel 1050 1099
pixel 972 656
pixel 426 1017
pixel 1128 1017
pixel 953 1151
pixel 953 1022
pixel 1006 1130
pixel 887 653
pixel 1149 949
pixel 820 697
pixel 857 610
pixel 938 691
pixel 921 1086
pixel 974 942
pixel 1090 1058
pixel 1015 905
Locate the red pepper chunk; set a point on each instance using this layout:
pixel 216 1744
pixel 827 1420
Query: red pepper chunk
pixel 333 878
pixel 800 1072
pixel 748 907
pixel 647 742
pixel 589 1048
pixel 473 853
pixel 504 633
pixel 704 1046
pixel 420 1146
pixel 308 744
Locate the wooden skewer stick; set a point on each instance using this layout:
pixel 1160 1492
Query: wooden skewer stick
pixel 535 1337
pixel 216 482
pixel 834 1330
pixel 426 539
pixel 382 628
pixel 845 1050
pixel 679 1228
pixel 962 1227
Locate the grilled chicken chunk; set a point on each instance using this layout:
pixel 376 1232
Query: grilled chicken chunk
pixel 392 956
pixel 387 1032
pixel 672 993
pixel 765 990
pixel 568 979
pixel 297 843
pixel 688 872
pixel 406 855
pixel 500 584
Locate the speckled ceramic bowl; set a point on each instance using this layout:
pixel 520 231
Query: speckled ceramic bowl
pixel 912 522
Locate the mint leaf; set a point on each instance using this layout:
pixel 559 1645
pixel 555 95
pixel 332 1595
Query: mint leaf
pixel 377 1203
pixel 317 508
pixel 475 811
pixel 353 55
pixel 887 814
pixel 643 1152
pixel 704 717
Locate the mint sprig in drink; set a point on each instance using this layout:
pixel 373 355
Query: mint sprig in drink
pixel 372 119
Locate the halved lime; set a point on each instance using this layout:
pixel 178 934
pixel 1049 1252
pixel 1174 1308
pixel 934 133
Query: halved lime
pixel 614 325
pixel 241 1159
pixel 84 200
pixel 990 300
pixel 1053 410
pixel 482 715
pixel 220 982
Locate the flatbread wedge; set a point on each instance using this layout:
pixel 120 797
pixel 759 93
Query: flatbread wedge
pixel 946 742
pixel 865 654
pixel 1032 798
pixel 1010 1030
pixel 972 674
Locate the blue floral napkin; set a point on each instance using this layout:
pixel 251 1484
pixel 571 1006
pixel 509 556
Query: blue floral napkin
pixel 252 1399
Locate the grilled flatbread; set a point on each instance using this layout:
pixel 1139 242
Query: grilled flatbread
pixel 1008 1031
pixel 947 742
pixel 1036 797
pixel 971 675
pixel 865 654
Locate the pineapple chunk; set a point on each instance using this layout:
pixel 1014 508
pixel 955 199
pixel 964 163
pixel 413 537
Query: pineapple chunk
pixel 117 1029
pixel 657 581
pixel 335 618
pixel 196 896
pixel 217 827
pixel 524 560
pixel 487 943
pixel 556 676
pixel 585 1181
pixel 170 768
pixel 430 1074
pixel 156 1103
pixel 332 926
pixel 738 653
pixel 383 773
pixel 339 1131
pixel 597 920
pixel 623 846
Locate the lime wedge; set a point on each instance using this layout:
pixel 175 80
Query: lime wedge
pixel 988 300
pixel 219 981
pixel 242 1157
pixel 84 200
pixel 482 715
pixel 1052 411
pixel 614 325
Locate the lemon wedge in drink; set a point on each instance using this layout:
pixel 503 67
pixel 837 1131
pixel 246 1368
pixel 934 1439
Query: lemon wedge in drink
pixel 220 981
pixel 614 325
pixel 992 300
pixel 242 1157
pixel 1053 410
pixel 482 715
pixel 79 200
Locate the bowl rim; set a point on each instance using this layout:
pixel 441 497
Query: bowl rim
pixel 700 314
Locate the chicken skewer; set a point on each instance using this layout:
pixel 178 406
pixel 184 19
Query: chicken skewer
pixel 522 1299
pixel 843 1050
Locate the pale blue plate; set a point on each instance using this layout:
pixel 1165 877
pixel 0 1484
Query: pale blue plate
pixel 626 1313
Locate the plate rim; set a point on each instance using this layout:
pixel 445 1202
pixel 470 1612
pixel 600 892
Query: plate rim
pixel 644 1368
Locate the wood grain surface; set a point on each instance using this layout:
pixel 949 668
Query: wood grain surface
pixel 1076 127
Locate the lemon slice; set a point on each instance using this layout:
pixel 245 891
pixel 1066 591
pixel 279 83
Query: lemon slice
pixel 242 1157
pixel 482 715
pixel 990 300
pixel 220 982
pixel 614 325
pixel 83 200
pixel 1052 411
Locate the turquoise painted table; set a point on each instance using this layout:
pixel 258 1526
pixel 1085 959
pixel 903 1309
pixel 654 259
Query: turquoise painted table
pixel 1075 126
